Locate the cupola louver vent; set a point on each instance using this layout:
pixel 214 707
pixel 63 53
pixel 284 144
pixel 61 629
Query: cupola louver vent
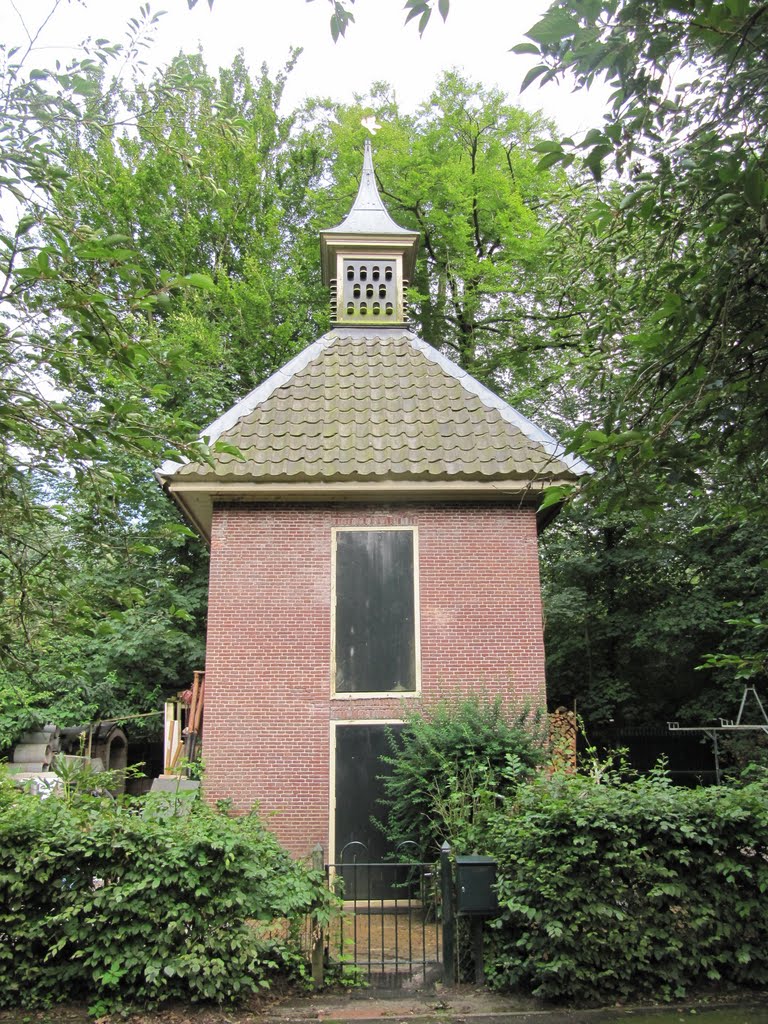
pixel 369 291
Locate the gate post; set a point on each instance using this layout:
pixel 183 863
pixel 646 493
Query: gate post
pixel 446 888
pixel 318 945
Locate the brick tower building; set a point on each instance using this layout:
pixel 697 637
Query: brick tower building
pixel 375 546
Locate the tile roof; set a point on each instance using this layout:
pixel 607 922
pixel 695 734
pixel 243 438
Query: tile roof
pixel 357 407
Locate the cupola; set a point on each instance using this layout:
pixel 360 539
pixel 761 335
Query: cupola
pixel 368 260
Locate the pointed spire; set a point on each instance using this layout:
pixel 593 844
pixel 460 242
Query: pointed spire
pixel 368 214
pixel 368 231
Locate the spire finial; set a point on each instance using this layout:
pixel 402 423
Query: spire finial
pixel 368 199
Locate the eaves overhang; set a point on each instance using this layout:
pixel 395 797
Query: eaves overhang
pixel 196 498
pixel 362 417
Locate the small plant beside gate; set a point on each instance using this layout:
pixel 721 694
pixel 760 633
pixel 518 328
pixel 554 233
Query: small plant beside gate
pixel 450 769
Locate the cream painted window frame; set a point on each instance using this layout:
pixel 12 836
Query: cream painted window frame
pixel 386 694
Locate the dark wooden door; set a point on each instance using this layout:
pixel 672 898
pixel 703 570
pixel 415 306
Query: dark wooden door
pixel 360 842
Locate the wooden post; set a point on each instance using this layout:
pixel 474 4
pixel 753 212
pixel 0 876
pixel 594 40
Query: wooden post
pixel 199 706
pixel 194 714
pixel 173 741
pixel 168 737
pixel 449 938
pixel 477 949
pixel 318 944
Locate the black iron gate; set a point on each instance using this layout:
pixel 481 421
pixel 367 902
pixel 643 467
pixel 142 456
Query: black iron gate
pixel 390 930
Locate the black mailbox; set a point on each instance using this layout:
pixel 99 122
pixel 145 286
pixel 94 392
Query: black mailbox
pixel 475 881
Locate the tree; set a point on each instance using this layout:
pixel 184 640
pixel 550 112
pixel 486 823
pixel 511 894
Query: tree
pixel 685 132
pixel 110 358
pixel 682 319
pixel 634 604
pixel 214 181
pixel 73 360
pixel 103 608
pixel 73 297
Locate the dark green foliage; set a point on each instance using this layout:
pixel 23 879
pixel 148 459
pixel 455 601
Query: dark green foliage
pixel 104 608
pixel 451 766
pixel 194 275
pixel 628 890
pixel 685 128
pixel 631 613
pixel 669 298
pixel 175 916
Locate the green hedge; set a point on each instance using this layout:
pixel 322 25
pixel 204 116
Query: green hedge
pixel 106 903
pixel 615 891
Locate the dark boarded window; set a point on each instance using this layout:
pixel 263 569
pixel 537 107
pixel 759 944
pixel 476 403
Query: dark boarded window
pixel 375 611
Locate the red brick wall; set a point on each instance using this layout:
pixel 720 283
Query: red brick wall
pixel 268 710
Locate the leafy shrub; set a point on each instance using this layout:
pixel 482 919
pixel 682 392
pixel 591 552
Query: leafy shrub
pixel 451 766
pixel 103 902
pixel 19 710
pixel 617 890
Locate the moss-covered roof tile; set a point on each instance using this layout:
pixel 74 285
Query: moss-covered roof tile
pixel 357 407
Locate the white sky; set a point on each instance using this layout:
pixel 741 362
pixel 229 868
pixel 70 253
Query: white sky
pixel 476 38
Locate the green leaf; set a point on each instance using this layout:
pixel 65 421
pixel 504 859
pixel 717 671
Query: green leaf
pixel 225 448
pixel 554 27
pixel 25 224
pixel 754 187
pixel 593 137
pixel 525 48
pixel 145 549
pixel 416 9
pixel 202 281
pixel 555 496
pixel 594 160
pixel 549 160
pixel 532 74
pixel 670 305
